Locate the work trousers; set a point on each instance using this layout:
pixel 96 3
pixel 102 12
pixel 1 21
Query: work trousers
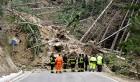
pixel 58 67
pixel 81 67
pixel 86 67
pixel 92 66
pixel 65 65
pixel 72 67
pixel 52 66
pixel 99 68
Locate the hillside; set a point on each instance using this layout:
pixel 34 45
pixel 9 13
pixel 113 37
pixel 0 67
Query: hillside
pixel 45 27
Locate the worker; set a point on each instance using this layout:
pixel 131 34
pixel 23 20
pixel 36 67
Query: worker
pixel 80 63
pixel 92 64
pixel 86 62
pixel 14 41
pixel 52 62
pixel 59 64
pixel 72 61
pixel 65 59
pixel 99 62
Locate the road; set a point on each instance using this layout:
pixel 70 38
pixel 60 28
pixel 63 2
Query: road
pixel 45 76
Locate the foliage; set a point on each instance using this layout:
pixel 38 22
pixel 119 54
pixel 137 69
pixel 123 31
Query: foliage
pixel 30 29
pixel 133 43
pixel 25 9
pixel 1 11
pixel 16 2
pixel 83 10
pixel 134 7
pixel 33 37
pixel 2 4
pixel 116 64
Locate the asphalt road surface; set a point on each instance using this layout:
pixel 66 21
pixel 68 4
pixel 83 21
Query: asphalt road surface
pixel 45 76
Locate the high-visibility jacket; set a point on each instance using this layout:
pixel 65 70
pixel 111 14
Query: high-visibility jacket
pixel 59 60
pixel 92 63
pixel 59 63
pixel 72 61
pixel 92 59
pixel 99 60
pixel 52 60
pixel 81 60
pixel 65 59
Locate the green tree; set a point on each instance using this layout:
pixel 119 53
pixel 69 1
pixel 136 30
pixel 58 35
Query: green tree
pixel 132 45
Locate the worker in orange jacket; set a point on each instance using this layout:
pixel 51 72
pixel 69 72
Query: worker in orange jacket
pixel 59 64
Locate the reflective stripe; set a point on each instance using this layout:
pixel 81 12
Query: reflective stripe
pixel 72 59
pixel 81 60
pixel 93 59
pixel 92 65
pixel 52 61
pixel 73 62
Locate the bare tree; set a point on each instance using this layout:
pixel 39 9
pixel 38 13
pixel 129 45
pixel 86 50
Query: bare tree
pixel 125 31
pixel 83 39
pixel 116 37
pixel 110 23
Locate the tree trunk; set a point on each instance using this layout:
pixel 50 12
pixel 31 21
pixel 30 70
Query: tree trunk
pixel 117 35
pixel 114 34
pixel 110 22
pixel 83 39
pixel 123 35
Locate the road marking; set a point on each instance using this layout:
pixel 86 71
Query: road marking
pixel 103 75
pixel 23 76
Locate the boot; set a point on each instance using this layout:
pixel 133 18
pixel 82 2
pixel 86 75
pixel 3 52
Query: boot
pixel 52 71
pixel 65 71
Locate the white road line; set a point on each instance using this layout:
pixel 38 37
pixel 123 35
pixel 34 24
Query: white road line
pixel 23 76
pixel 103 75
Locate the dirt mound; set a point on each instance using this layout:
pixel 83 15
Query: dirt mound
pixel 55 39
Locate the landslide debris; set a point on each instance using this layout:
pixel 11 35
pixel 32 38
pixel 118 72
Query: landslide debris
pixel 54 39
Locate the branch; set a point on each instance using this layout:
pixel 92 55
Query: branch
pixel 30 23
pixel 36 46
pixel 43 13
pixel 45 8
pixel 28 4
